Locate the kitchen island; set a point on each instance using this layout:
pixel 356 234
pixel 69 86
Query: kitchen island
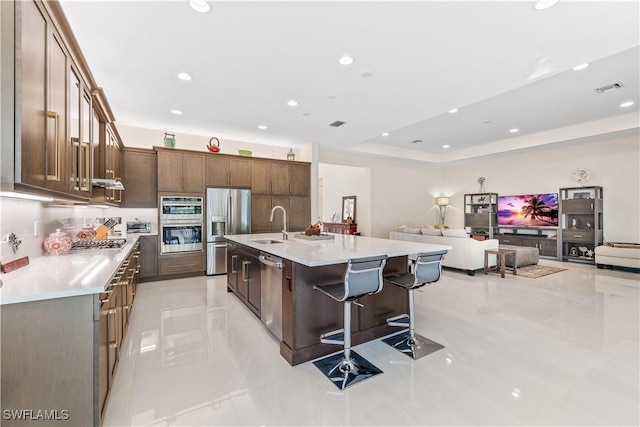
pixel 307 313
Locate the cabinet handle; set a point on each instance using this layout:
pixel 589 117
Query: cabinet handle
pixel 234 263
pixel 289 283
pixel 577 235
pixel 245 270
pixel 56 150
pixel 591 205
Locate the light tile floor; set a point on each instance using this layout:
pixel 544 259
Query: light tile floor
pixel 558 350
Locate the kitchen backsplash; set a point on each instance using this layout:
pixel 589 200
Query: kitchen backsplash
pixel 26 218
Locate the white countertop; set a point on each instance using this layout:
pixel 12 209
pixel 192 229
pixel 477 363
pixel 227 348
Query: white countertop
pixel 51 276
pixel 336 251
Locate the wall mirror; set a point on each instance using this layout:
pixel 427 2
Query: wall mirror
pixel 349 208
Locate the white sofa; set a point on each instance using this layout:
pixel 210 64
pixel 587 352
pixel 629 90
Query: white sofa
pixel 466 253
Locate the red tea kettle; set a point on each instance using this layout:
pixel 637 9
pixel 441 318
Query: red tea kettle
pixel 214 148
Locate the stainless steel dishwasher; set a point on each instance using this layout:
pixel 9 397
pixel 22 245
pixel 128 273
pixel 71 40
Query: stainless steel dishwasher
pixel 271 293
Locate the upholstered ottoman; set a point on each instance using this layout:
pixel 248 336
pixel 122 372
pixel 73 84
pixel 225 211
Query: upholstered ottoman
pixel 618 255
pixel 526 255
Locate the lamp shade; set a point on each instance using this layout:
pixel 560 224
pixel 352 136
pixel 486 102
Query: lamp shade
pixel 443 201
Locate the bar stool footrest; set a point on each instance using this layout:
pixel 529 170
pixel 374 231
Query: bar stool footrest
pixel 333 337
pixel 401 320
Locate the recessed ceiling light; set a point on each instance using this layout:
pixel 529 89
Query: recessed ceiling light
pixel 345 60
pixel 292 103
pixel 262 127
pixel 514 130
pixel 453 111
pixel 445 146
pixel 184 76
pixel 201 6
pixel 178 112
pixel 544 4
pixel 385 134
pixel 580 67
pixel 626 104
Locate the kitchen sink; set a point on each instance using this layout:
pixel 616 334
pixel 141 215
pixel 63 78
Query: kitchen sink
pixel 267 241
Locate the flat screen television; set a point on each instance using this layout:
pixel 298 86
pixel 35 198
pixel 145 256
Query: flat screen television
pixel 528 210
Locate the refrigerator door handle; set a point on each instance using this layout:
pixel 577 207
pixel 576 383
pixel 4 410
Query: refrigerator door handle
pixel 232 226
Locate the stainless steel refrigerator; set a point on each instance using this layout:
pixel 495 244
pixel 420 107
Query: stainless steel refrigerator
pixel 228 212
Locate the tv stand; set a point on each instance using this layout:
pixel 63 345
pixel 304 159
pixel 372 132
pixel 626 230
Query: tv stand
pixel 545 239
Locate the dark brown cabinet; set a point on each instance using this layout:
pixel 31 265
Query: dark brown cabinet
pixel 244 275
pixel 232 266
pixel 140 178
pixel 148 257
pixel 185 264
pixel 299 213
pixel 107 163
pixel 261 205
pixel 58 127
pixel 300 178
pixel 182 172
pixel 43 62
pixel 280 183
pixel 223 171
pixel 270 177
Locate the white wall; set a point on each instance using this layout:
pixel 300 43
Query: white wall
pixel 402 192
pixel 340 181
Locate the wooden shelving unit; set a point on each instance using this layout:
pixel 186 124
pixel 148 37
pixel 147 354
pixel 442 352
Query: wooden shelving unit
pixel 481 214
pixel 581 217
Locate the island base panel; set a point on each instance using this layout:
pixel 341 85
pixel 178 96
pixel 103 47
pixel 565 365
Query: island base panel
pixel 307 313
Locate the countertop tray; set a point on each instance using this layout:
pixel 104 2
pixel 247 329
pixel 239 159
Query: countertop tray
pixel 320 237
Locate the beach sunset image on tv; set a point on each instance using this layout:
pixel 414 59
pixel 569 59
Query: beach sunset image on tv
pixel 531 210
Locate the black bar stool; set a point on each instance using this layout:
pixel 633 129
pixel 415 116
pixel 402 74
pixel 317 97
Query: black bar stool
pixel 426 269
pixel 363 277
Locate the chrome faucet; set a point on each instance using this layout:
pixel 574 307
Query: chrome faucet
pixel 285 236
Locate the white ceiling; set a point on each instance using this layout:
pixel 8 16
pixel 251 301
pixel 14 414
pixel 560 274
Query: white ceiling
pixel 501 63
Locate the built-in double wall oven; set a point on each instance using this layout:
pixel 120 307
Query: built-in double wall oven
pixel 181 224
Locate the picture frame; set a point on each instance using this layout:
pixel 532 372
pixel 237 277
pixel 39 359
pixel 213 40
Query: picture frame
pixel 349 209
pixel 582 195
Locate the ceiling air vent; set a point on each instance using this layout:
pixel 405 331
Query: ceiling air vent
pixel 609 88
pixel 337 123
pixel 416 141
